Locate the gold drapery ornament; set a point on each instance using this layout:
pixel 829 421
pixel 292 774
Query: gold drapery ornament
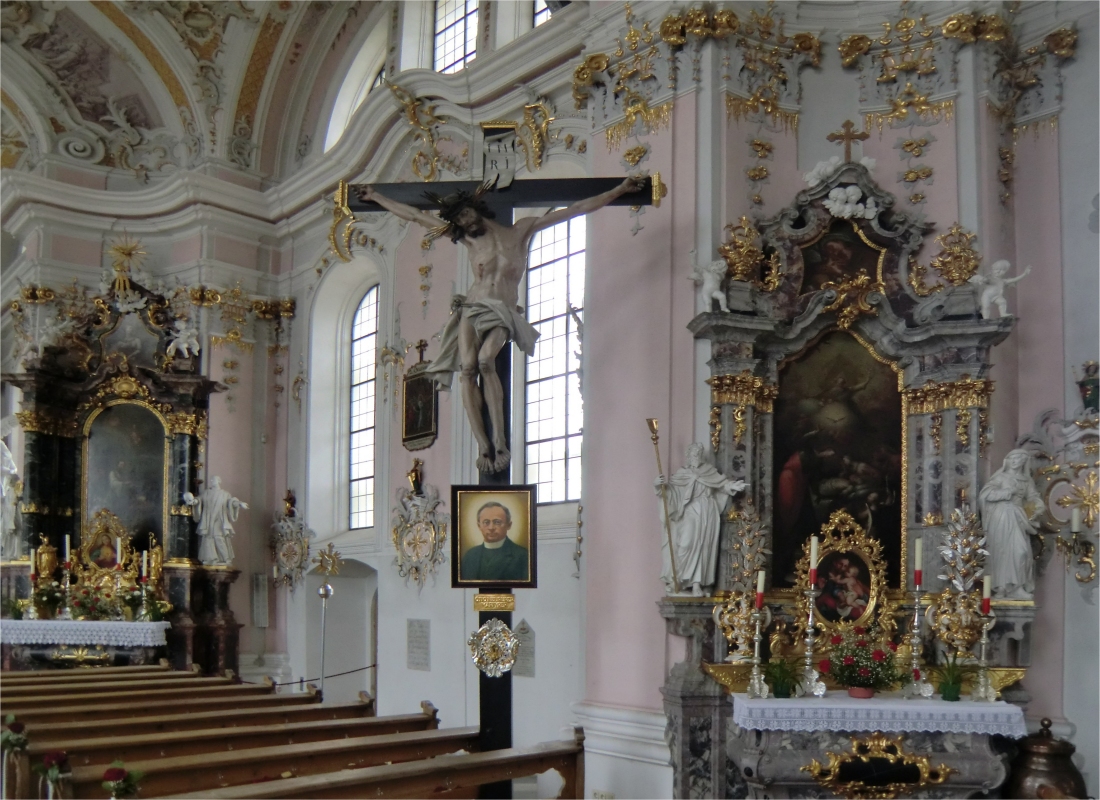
pixel 875 746
pixel 764 98
pixel 743 389
pixel 852 298
pixel 700 23
pixel 909 99
pixel 932 397
pixel 637 109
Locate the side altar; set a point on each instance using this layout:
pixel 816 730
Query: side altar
pixel 846 377
pixel 114 423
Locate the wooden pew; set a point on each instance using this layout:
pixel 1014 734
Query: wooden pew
pixel 101 687
pixel 185 693
pixel 19 677
pixel 143 747
pixel 442 776
pixel 207 771
pixel 100 711
pixel 158 722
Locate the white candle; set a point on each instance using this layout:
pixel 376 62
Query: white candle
pixel 275 572
pixel 34 566
pixel 68 545
pixel 813 552
pixel 1075 519
pixel 985 587
pixel 118 549
pixel 918 553
pixel 145 564
pixel 760 582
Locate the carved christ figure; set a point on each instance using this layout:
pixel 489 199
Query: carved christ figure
pixel 485 318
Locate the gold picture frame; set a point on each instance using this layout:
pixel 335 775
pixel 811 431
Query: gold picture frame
pixel 851 577
pixel 92 568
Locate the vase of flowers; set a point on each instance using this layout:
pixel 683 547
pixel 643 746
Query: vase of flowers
pixel 53 766
pixel 48 597
pixel 861 662
pixel 133 598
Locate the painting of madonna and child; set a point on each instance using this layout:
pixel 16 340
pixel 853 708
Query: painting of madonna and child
pixel 837 447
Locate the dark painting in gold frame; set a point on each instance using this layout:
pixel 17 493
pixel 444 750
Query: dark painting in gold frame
pixel 420 409
pixel 838 447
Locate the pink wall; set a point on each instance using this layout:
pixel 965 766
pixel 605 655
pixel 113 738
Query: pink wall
pixel 1041 375
pixel 640 365
pixel 85 252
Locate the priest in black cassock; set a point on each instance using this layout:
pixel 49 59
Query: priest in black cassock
pixel 499 558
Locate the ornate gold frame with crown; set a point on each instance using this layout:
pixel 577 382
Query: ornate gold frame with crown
pixel 105 529
pixel 842 534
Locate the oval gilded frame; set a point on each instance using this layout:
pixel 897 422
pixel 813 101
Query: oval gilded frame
pixel 842 534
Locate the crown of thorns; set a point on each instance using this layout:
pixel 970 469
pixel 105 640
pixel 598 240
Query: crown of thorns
pixel 451 205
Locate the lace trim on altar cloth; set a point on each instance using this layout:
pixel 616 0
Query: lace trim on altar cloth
pixel 111 634
pixel 886 713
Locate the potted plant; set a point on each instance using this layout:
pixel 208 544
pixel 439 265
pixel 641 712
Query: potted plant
pixel 782 676
pixel 950 676
pixel 860 663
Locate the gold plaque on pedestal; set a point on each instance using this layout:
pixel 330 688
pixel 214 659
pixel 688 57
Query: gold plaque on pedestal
pixel 494 602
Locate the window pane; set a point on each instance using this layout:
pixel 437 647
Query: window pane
pixel 361 424
pixel 455 34
pixel 542 12
pixel 554 415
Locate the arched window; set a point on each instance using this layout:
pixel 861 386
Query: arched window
pixel 364 335
pixel 455 34
pixel 554 417
pixel 542 13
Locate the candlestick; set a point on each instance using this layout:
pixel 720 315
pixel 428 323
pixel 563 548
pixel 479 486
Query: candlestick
pixel 810 683
pixel 757 688
pixel 66 612
pixel 917 686
pixel 983 690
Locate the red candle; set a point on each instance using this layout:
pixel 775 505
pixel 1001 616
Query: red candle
pixel 35 577
pixel 917 574
pixel 760 589
pixel 985 595
pixel 918 562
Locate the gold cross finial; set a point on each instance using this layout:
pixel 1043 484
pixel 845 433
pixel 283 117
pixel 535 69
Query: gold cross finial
pixel 846 135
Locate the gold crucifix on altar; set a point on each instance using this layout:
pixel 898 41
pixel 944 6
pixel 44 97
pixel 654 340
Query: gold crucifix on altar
pixel 847 135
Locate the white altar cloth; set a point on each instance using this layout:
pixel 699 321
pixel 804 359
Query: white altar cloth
pixel 887 712
pixel 83 632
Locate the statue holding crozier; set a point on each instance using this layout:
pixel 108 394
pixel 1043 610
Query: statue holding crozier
pixel 487 317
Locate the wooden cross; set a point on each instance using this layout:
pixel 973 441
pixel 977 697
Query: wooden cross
pixel 846 135
pixel 421 346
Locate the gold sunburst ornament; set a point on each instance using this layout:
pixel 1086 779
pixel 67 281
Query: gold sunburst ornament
pixel 493 648
pixel 124 252
pixel 328 560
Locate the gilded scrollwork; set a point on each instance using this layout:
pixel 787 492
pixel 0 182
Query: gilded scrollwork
pixel 743 389
pixel 853 298
pixel 715 427
pixel 953 613
pixel 910 100
pixel 744 257
pixel 879 747
pixel 933 397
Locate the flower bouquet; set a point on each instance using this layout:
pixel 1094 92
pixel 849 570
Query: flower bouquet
pixel 132 599
pixel 14 736
pixel 90 603
pixel 121 782
pixel 49 597
pixel 860 663
pixel 53 766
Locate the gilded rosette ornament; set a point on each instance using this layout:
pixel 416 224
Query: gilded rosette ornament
pixel 493 648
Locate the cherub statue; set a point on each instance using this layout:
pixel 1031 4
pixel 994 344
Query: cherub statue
pixel 993 288
pixel 710 276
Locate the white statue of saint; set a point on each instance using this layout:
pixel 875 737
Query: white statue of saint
pixel 1010 504
pixel 696 493
pixel 993 288
pixel 9 484
pixel 710 276
pixel 214 510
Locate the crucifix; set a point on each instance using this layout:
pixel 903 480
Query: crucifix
pixel 484 320
pixel 421 346
pixel 847 135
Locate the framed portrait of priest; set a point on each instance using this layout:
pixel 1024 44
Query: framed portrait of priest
pixel 494 542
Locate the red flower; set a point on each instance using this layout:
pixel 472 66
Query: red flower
pixel 824 665
pixel 893 646
pixel 848 661
pixel 55 759
pixel 85 591
pixel 916 674
pixel 858 631
pixel 864 672
pixel 114 774
pixel 837 639
pixel 861 643
pixel 17 727
pixel 878 655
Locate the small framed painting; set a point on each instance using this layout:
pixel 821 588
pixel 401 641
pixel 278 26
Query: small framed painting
pixel 420 412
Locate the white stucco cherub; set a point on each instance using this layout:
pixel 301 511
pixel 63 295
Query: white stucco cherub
pixel 185 340
pixel 710 277
pixel 993 288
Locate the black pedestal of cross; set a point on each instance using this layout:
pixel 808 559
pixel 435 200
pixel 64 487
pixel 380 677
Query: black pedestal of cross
pixel 495 706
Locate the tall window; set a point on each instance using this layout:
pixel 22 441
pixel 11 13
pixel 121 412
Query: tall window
pixel 364 334
pixel 542 12
pixel 455 34
pixel 555 418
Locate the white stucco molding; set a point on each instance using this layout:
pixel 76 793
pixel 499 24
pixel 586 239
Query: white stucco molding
pixel 634 734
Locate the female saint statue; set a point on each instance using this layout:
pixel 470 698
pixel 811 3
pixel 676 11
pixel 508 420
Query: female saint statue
pixel 697 493
pixel 1009 505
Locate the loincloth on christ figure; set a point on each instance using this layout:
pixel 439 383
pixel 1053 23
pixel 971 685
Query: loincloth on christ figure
pixel 484 315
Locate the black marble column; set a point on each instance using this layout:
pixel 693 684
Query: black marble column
pixel 179 538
